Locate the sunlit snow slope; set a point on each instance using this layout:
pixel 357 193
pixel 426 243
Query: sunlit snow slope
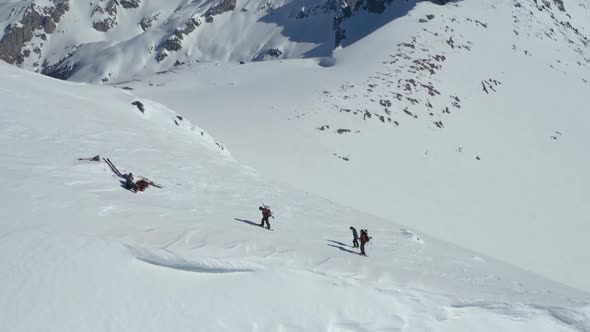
pixel 80 253
pixel 467 121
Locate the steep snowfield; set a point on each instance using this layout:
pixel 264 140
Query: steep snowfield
pixel 468 122
pixel 80 253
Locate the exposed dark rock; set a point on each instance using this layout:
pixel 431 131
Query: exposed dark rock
pixel 107 23
pixel 139 105
pixel 160 57
pixel 130 3
pixel 439 2
pixel 559 4
pixel 111 7
pixel 172 44
pixel 104 25
pixel 385 103
pixel 275 52
pixel 17 35
pixel 147 21
pixel 221 7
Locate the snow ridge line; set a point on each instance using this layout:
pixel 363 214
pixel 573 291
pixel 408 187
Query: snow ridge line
pixel 571 317
pixel 167 259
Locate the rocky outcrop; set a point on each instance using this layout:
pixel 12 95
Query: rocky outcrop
pixel 221 7
pixel 36 21
pixel 105 18
pixel 147 21
pixel 270 54
pixel 559 4
pixel 174 42
pixel 344 9
pixel 127 4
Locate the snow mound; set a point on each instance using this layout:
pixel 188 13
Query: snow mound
pixel 411 236
pixel 167 259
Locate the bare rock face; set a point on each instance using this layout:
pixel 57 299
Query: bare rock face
pixel 147 21
pixel 34 19
pixel 127 4
pixel 221 7
pixel 347 8
pixel 559 4
pixel 105 18
pixel 104 25
pixel 174 42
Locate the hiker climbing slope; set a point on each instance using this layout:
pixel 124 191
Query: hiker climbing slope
pixel 266 213
pixel 364 239
pixel 355 237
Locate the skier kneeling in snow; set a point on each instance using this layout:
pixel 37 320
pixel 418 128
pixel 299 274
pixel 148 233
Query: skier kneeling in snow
pixel 364 239
pixel 355 237
pixel 129 183
pixel 266 213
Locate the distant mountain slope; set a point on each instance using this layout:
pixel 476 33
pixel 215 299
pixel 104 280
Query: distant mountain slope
pixel 114 40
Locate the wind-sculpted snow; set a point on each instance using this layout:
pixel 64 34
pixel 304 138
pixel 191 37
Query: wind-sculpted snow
pixel 577 319
pixel 201 265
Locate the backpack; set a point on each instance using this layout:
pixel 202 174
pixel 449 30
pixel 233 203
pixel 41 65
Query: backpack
pixel 365 234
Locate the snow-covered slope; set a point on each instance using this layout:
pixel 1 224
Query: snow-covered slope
pixel 467 121
pixel 80 253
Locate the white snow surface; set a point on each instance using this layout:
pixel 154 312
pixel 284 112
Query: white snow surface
pixel 80 253
pixel 505 174
pixel 464 130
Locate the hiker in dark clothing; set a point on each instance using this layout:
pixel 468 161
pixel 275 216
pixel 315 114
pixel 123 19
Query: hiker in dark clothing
pixel 355 237
pixel 265 215
pixel 129 184
pixel 364 239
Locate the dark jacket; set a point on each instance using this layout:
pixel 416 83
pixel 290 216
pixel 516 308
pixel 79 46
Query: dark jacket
pixel 354 233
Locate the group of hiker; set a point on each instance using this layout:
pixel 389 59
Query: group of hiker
pixel 364 238
pixel 142 184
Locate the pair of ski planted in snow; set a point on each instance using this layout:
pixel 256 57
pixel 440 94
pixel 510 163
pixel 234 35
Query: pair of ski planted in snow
pixel 119 174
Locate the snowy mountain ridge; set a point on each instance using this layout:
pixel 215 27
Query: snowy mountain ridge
pixel 62 37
